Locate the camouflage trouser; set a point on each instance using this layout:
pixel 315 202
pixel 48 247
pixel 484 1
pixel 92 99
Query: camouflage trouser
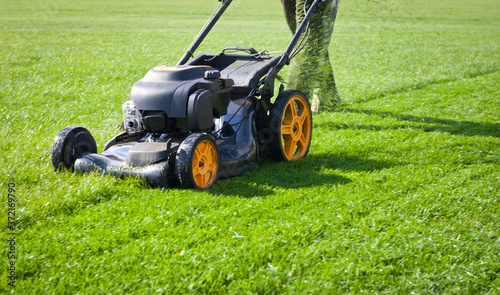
pixel 311 71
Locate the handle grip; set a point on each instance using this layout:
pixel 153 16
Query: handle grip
pixel 240 48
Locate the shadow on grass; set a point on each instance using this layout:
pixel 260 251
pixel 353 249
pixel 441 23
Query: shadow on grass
pixel 427 124
pixel 313 171
pixel 425 82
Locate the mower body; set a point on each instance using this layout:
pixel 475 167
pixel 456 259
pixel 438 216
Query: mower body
pixel 208 118
pixel 174 102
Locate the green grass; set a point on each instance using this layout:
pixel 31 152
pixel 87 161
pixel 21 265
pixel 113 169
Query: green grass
pixel 399 193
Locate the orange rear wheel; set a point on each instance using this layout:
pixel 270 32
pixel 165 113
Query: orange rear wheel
pixel 291 123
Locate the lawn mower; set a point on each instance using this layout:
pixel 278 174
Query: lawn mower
pixel 208 117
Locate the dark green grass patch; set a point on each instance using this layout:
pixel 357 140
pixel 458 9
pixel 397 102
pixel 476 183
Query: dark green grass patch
pixel 399 193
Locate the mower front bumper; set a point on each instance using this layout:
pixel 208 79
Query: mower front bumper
pixel 114 161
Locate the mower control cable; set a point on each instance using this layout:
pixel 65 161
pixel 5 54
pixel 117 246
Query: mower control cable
pixel 245 99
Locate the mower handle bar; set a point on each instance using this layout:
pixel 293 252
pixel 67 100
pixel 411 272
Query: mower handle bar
pixel 285 58
pixel 204 32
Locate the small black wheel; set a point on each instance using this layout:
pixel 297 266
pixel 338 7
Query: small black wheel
pixel 197 161
pixel 291 126
pixel 70 144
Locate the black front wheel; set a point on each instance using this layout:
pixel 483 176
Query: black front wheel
pixel 70 144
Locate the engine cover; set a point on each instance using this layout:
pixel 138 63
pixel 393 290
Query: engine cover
pixel 168 90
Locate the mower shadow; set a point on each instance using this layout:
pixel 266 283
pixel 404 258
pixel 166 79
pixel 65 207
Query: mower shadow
pixel 427 124
pixel 312 171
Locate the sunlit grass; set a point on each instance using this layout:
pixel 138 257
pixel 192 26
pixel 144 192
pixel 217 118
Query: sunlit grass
pixel 398 194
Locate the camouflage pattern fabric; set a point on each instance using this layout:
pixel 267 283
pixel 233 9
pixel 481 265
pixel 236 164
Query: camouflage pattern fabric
pixel 311 71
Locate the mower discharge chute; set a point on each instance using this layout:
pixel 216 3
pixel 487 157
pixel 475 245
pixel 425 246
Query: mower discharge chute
pixel 203 119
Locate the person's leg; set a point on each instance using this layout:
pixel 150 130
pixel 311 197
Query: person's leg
pixel 289 10
pixel 311 71
pixel 301 66
pixel 328 90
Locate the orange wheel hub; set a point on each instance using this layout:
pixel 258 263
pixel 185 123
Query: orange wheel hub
pixel 296 128
pixel 204 165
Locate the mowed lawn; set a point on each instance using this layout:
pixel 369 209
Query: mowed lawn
pixel 399 193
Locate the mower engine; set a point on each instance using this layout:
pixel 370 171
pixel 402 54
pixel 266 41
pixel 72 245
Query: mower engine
pixel 177 100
